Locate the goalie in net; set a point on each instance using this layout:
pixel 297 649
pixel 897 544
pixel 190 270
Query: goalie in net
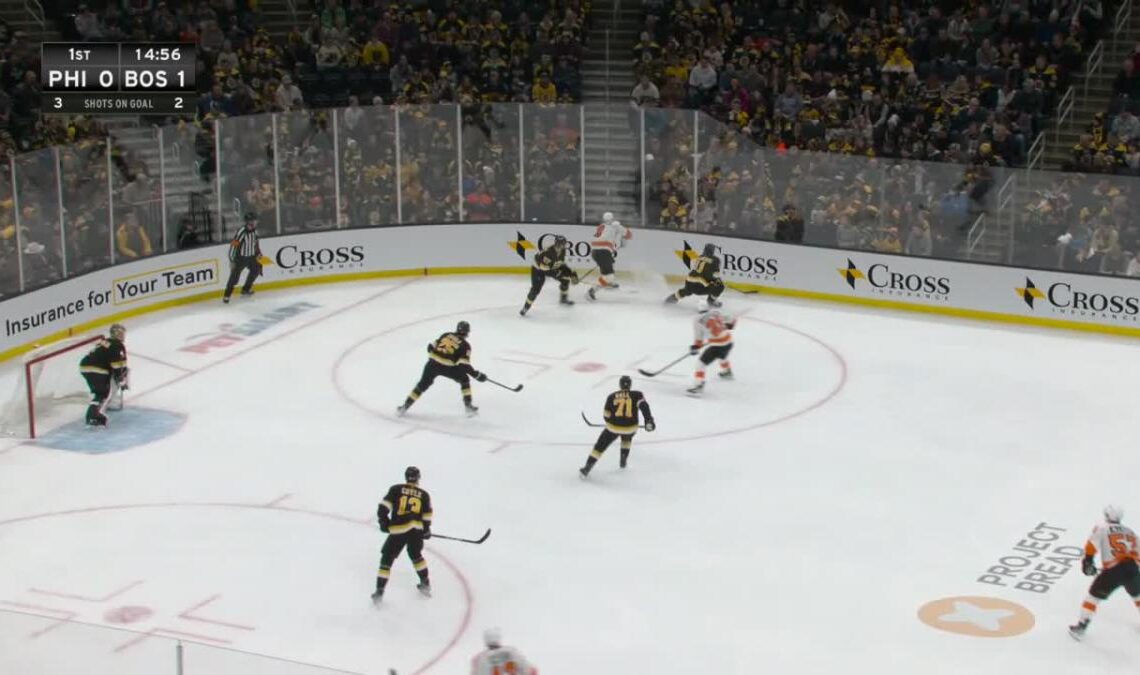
pixel 105 364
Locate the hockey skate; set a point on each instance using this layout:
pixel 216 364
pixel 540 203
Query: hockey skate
pixel 522 312
pixel 671 300
pixel 726 374
pixel 225 299
pixel 713 302
pixel 565 300
pixel 377 597
pixel 1077 630
pixel 584 472
pixel 623 461
pixel 591 294
pixel 696 389
pixel 401 411
pixel 472 410
pixel 424 588
pixel 246 294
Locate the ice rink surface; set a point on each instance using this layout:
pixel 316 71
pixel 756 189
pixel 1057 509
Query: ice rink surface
pixel 866 497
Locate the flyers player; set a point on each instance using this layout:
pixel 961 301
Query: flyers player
pixel 621 413
pixel 609 236
pixel 704 279
pixel 712 339
pixel 449 356
pixel 1120 565
pixel 500 660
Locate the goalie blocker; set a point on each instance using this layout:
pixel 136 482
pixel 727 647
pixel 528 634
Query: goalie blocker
pixel 104 364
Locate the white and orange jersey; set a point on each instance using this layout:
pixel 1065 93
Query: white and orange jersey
pixel 713 328
pixel 1115 543
pixel 501 661
pixel 611 236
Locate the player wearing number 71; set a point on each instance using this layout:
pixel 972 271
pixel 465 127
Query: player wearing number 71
pixel 621 414
pixel 405 516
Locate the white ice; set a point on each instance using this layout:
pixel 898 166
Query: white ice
pixel 794 520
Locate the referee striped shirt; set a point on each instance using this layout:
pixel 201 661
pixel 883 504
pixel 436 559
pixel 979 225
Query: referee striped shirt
pixel 245 244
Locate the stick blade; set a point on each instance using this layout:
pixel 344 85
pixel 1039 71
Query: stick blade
pixel 517 389
pixel 646 373
pixel 484 537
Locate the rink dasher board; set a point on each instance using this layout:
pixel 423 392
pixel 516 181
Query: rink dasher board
pixel 951 288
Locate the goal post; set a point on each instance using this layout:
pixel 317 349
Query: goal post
pixel 49 380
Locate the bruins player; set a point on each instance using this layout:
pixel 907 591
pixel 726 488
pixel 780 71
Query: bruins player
pixel 621 413
pixel 106 361
pixel 703 279
pixel 449 356
pixel 405 516
pixel 550 262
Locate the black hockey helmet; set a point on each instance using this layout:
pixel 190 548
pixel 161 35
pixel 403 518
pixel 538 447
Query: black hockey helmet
pixel 625 382
pixel 709 250
pixel 412 474
pixel 560 240
pixel 463 328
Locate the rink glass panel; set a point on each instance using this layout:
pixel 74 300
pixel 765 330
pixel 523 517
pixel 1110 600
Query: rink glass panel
pixel 670 144
pixel 429 163
pixel 366 141
pixel 306 174
pixel 37 216
pixel 247 151
pixel 86 206
pixel 136 198
pixel 187 174
pixel 491 164
pixel 9 252
pixel 552 143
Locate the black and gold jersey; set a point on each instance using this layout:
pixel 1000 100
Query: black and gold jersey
pixel 107 357
pixel 450 349
pixel 623 409
pixel 406 507
pixel 549 258
pixel 705 270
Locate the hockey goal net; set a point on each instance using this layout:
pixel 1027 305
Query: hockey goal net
pixel 49 388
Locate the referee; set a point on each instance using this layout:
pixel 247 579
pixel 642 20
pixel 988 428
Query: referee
pixel 245 250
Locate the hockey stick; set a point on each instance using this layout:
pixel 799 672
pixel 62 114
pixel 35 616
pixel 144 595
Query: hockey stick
pixel 591 424
pixel 592 270
pixel 655 373
pixel 739 290
pixel 480 540
pixel 517 388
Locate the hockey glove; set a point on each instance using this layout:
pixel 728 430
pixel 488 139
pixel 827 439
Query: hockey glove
pixel 649 425
pixel 694 348
pixel 384 525
pixel 427 532
pixel 1088 566
pixel 480 377
pixel 122 380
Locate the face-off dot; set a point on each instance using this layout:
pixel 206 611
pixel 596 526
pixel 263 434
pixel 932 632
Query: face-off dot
pixel 128 614
pixel 588 367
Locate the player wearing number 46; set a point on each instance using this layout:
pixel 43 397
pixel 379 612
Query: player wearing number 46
pixel 704 279
pixel 449 356
pixel 550 262
pixel 712 339
pixel 405 516
pixel 498 659
pixel 107 361
pixel 1117 546
pixel 622 417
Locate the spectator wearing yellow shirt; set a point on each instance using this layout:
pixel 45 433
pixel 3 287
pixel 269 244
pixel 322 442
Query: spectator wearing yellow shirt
pixel 375 53
pixel 131 240
pixel 544 91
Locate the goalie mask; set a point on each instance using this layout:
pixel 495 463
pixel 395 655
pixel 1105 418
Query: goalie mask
pixel 118 331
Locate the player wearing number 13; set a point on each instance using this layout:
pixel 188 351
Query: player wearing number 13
pixel 405 516
pixel 621 413
pixel 449 356
pixel 1117 546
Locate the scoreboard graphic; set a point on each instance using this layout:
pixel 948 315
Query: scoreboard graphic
pixel 108 78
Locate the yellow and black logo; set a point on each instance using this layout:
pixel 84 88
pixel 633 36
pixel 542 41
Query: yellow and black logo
pixel 851 273
pixel 1030 292
pixel 687 254
pixel 521 245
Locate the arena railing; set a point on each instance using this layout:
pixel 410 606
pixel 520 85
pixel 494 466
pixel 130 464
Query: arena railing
pixel 69 210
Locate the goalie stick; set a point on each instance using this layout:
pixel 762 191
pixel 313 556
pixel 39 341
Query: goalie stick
pixel 480 540
pixel 655 373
